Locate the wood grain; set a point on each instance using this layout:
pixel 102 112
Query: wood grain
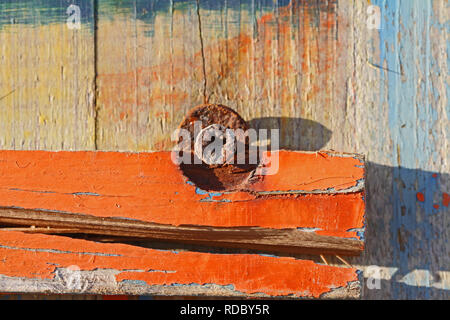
pixel 321 76
pixel 290 241
pixel 149 187
pixel 33 262
pixel 47 78
pixel 144 196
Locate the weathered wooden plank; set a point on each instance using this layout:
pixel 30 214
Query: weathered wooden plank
pixel 63 265
pixel 270 61
pixel 314 172
pixel 398 107
pixel 377 92
pixel 291 241
pixel 261 58
pixel 47 76
pixel 149 187
pixel 150 71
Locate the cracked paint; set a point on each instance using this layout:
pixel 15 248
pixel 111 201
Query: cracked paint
pixel 273 276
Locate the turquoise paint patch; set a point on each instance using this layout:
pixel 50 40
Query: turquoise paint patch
pixel 42 12
pixel 86 194
pixel 210 195
pixel 360 233
pixel 228 286
pixel 268 255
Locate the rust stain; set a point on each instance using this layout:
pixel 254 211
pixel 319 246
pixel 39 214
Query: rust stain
pixel 118 91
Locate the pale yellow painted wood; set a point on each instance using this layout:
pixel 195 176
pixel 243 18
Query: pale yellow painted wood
pixel 47 82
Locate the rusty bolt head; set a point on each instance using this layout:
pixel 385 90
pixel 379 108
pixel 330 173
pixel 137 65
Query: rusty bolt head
pixel 209 175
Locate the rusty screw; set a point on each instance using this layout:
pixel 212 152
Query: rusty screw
pixel 206 173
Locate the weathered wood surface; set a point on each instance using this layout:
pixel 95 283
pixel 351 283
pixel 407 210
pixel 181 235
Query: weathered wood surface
pixel 60 264
pixel 291 241
pixel 47 77
pixel 311 68
pixel 145 195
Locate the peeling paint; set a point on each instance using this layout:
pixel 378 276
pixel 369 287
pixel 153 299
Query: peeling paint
pixel 265 274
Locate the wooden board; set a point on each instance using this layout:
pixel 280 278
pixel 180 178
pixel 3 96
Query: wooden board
pixel 43 263
pixel 314 204
pixel 320 74
pixel 47 76
pixel 323 194
pixel 273 62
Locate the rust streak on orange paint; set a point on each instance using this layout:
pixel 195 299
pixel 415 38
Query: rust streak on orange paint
pixel 246 273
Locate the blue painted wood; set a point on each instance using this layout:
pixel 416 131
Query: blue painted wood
pixel 418 133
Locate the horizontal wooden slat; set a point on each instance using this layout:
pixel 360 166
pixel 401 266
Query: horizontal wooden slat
pixel 318 172
pixel 44 263
pixel 285 240
pixel 148 187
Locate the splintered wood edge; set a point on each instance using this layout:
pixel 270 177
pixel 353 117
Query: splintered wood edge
pixel 254 238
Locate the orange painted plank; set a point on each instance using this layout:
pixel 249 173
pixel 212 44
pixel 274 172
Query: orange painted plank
pixel 149 187
pixel 37 257
pixel 300 171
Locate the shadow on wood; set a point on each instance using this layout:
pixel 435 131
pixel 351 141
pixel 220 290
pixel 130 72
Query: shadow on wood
pixel 295 133
pixel 406 216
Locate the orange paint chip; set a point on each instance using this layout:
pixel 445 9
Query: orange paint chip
pixel 445 199
pixel 420 197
